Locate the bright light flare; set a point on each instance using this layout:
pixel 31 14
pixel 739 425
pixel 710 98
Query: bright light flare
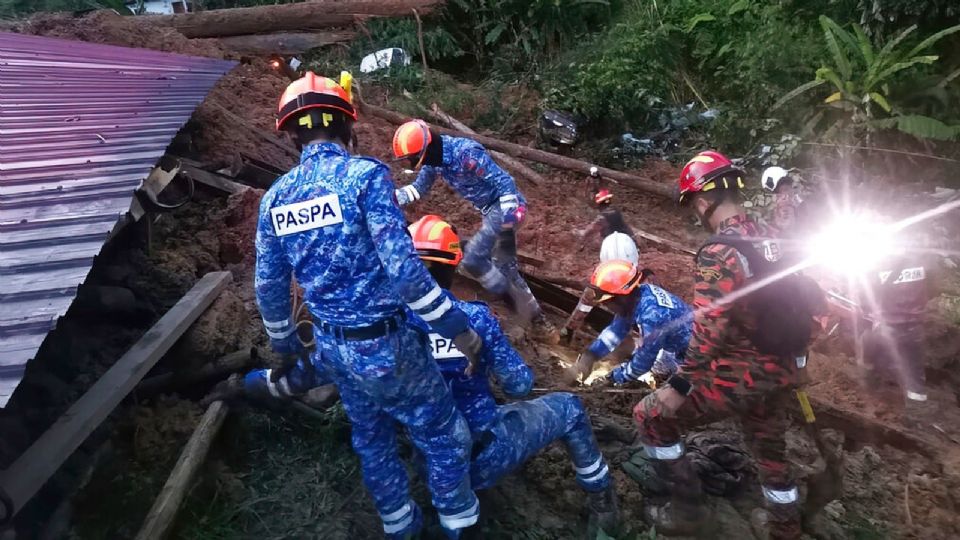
pixel 852 244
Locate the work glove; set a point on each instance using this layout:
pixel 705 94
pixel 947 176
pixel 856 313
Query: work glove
pixel 579 372
pixel 469 343
pixel 665 365
pixel 772 177
pixel 511 210
pixel 406 195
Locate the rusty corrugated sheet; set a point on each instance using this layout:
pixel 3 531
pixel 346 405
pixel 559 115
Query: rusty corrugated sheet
pixel 81 125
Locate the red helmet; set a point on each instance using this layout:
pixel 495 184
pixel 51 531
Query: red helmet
pixel 436 240
pixel 313 92
pixel 702 172
pixel 615 278
pixel 603 196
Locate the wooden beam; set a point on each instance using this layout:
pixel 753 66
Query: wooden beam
pixel 161 517
pixel 532 154
pixel 295 16
pixel 665 241
pixel 231 363
pixel 214 180
pixel 284 43
pixel 547 292
pixel 39 462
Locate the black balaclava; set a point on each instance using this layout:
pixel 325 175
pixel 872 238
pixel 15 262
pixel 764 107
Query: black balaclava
pixel 434 155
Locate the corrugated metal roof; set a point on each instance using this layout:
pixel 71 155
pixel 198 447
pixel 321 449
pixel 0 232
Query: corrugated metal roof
pixel 81 125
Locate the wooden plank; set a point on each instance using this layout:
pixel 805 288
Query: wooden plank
pixel 214 180
pixel 161 517
pixel 39 462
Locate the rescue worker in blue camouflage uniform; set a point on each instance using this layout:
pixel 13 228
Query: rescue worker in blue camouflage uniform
pixel 663 320
pixel 506 436
pixel 332 221
pixel 475 176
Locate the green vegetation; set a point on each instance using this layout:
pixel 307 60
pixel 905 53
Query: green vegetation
pixel 864 78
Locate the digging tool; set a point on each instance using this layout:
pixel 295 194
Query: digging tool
pixel 826 485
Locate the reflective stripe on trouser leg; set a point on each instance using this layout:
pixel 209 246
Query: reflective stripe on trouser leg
pixel 781 496
pixel 461 520
pixel 372 413
pixel 421 401
pixel 399 519
pixel 665 453
pixel 525 428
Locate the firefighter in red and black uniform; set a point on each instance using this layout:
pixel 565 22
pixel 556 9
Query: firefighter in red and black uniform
pixel 724 373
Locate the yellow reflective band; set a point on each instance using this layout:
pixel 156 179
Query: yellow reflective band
pixel 808 415
pixel 702 159
pixel 306 121
pixel 327 119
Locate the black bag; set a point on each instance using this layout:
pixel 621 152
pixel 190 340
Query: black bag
pixel 783 309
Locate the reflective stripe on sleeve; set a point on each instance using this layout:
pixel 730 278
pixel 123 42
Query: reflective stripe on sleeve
pixel 426 299
pixel 411 192
pixel 508 198
pixel 271 386
pixel 439 312
pixel 610 339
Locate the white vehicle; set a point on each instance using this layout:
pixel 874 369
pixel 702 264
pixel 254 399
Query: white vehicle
pixel 383 59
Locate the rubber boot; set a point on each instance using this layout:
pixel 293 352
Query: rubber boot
pixel 684 513
pixel 777 522
pixel 604 513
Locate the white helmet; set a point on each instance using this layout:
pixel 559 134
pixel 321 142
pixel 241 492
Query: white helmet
pixel 619 246
pixel 772 177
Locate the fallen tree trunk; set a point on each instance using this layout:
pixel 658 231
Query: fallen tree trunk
pixel 515 165
pixel 533 154
pixel 281 17
pixel 284 43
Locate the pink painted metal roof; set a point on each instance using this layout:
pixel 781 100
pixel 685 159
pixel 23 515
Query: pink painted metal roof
pixel 81 125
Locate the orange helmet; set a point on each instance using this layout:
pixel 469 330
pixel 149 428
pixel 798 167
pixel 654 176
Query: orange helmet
pixel 615 278
pixel 603 196
pixel 313 92
pixel 412 139
pixel 436 240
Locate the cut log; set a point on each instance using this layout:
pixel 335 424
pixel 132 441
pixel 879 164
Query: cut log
pixel 160 520
pixel 39 462
pixel 281 17
pixel 532 154
pixel 284 43
pixel 515 165
pixel 232 363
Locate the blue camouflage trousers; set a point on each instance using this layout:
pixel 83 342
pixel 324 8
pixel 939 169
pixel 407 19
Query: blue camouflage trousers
pixel 393 379
pixel 491 258
pixel 527 427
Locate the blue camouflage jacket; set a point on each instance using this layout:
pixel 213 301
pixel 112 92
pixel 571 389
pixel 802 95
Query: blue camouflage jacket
pixel 471 172
pixel 664 322
pixel 498 359
pixel 333 222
